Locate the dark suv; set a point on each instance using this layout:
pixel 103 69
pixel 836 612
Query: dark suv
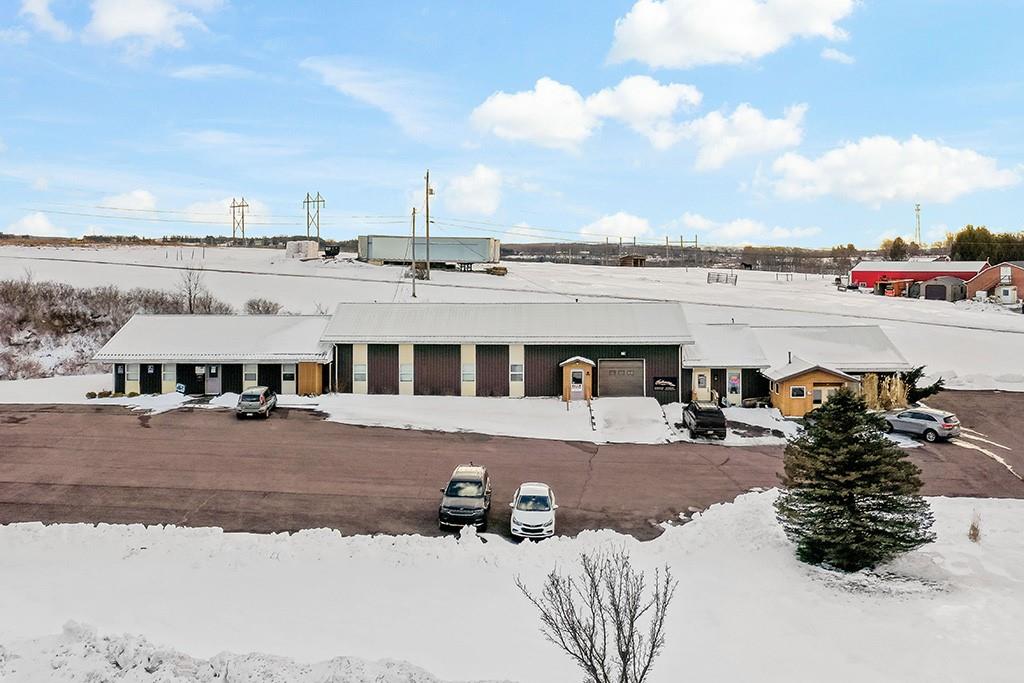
pixel 466 500
pixel 704 419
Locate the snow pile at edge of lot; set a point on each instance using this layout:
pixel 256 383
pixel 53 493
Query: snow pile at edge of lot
pixel 71 389
pixel 316 594
pixel 80 653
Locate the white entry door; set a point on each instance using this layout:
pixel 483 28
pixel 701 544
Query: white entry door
pixel 288 384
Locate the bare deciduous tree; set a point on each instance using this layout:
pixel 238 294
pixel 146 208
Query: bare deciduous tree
pixel 262 307
pixel 604 618
pixel 190 286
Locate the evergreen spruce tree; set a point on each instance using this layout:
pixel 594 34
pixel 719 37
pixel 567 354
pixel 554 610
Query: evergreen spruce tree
pixel 851 499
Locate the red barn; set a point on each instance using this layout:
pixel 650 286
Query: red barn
pixel 867 273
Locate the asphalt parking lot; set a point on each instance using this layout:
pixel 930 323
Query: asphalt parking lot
pixel 202 467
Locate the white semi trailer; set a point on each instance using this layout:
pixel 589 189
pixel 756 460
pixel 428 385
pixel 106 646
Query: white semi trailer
pixel 458 250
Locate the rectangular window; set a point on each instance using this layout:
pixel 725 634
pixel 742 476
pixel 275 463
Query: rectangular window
pixel 817 397
pixel 469 372
pixel 359 372
pixel 133 373
pixel 797 392
pixel 515 372
pixel 169 373
pixel 288 372
pixel 250 372
pixel 405 372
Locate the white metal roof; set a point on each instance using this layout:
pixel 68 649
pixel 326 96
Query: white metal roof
pixel 509 323
pixel 921 266
pixel 799 366
pixel 847 348
pixel 218 339
pixel 727 345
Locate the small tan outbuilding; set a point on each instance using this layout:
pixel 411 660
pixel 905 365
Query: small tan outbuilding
pixel 799 386
pixel 577 379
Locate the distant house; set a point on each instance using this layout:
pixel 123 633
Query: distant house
pixel 1006 274
pixel 633 260
pixel 867 273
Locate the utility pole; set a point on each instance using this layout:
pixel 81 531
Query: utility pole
pixel 620 247
pixel 414 252
pixel 666 251
pixel 238 217
pixel 607 248
pixel 917 232
pixel 427 191
pixel 313 213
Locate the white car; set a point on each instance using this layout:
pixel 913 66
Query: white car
pixel 533 511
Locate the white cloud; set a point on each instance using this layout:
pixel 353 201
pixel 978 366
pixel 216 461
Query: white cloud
pixel 13 36
pixel 208 72
pixel 39 14
pixel 37 224
pixel 744 132
pixel 556 115
pixel 477 192
pixel 136 199
pixel 144 25
pixel 551 115
pixel 619 224
pixel 646 106
pixel 688 33
pixel 835 55
pixel 882 168
pixel 744 230
pixel 399 94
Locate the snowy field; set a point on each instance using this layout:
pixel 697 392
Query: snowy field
pixel 745 610
pixel 973 347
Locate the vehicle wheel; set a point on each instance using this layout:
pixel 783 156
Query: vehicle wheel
pixel 888 427
pixel 238 416
pixel 689 430
pixel 931 436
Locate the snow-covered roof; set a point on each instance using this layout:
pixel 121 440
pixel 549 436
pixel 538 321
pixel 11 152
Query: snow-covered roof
pixel 504 323
pixel 219 339
pixel 921 266
pixel 799 366
pixel 726 345
pixel 847 348
pixel 577 359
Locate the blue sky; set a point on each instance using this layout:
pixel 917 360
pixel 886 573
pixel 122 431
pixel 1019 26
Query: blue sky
pixel 796 122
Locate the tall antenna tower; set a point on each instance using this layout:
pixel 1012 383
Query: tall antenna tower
pixel 917 230
pixel 238 217
pixel 313 205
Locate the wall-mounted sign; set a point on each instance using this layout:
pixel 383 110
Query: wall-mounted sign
pixel 200 369
pixel 180 388
pixel 665 384
pixel 702 381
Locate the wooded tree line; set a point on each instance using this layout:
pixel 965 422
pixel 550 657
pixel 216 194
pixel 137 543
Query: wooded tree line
pixel 979 243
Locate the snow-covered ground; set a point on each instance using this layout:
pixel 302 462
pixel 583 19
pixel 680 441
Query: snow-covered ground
pixel 73 388
pixel 973 347
pixel 745 608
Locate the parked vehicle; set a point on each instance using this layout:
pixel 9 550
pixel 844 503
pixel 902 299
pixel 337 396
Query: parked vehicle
pixel 466 500
pixel 257 401
pixel 704 419
pixel 930 424
pixel 533 511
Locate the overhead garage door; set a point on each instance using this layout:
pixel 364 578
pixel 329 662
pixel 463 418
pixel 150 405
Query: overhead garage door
pixel 935 292
pixel 620 378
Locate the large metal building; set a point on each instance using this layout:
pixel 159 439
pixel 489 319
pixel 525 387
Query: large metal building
pixel 214 354
pixel 506 349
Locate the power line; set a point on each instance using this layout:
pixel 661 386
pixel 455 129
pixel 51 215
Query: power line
pixel 313 213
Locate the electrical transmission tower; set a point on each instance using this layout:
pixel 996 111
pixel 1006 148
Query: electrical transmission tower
pixel 313 205
pixel 238 218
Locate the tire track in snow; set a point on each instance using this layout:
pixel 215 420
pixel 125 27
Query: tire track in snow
pixel 587 295
pixel 998 458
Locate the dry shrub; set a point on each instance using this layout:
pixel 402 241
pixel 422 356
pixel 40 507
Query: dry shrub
pixel 974 532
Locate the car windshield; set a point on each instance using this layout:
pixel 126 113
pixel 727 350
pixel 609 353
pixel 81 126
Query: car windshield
pixel 464 489
pixel 250 397
pixel 534 503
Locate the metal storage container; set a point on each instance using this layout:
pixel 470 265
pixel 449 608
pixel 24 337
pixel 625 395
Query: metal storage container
pixel 393 249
